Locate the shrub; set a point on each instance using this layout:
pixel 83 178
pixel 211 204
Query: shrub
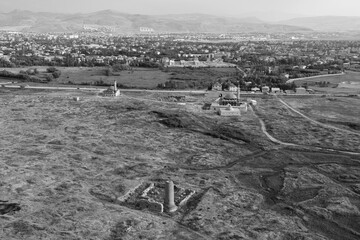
pixel 108 72
pixel 51 69
pixel 49 77
pixel 56 74
pixel 35 79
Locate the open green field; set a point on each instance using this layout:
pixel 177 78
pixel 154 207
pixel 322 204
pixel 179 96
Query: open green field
pixel 333 80
pixel 343 112
pixel 66 163
pixel 289 126
pixel 147 78
pixel 139 78
pixel 348 76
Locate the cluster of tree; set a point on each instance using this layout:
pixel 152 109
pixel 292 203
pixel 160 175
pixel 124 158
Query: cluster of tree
pixel 99 83
pixel 70 61
pixel 322 84
pixel 6 64
pixel 23 76
pixel 173 84
pixel 120 67
pixel 116 68
pixel 19 60
pixel 20 76
pixel 146 64
pixel 55 73
pixel 30 71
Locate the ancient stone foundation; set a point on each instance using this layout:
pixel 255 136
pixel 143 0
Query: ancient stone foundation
pixel 156 197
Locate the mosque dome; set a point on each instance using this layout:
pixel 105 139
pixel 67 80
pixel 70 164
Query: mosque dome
pixel 230 96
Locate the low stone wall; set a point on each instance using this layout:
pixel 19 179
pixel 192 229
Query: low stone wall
pixel 143 204
pixel 138 198
pixel 145 192
pixel 183 202
pixel 129 193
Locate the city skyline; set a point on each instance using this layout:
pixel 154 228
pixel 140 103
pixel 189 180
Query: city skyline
pixel 263 9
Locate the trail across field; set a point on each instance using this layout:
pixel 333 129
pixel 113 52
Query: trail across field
pixel 317 122
pixel 286 144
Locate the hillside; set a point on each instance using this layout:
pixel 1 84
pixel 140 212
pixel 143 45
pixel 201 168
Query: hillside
pixel 326 23
pixel 55 22
pixel 67 165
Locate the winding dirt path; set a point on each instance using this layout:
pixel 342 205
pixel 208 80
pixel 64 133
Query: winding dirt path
pixel 271 138
pixel 317 122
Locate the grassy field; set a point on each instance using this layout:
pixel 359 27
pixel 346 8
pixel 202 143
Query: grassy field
pixel 338 110
pixel 334 81
pixel 66 162
pixel 288 126
pixel 348 76
pixel 139 78
pixel 205 76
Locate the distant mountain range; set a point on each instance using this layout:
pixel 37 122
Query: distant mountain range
pixel 40 22
pixel 122 22
pixel 326 23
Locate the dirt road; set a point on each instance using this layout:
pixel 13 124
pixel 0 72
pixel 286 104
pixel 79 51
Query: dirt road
pixel 316 122
pixel 271 138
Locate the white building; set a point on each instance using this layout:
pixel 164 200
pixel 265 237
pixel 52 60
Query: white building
pixel 229 111
pixel 232 87
pixel 265 89
pixel 255 89
pixel 300 90
pixel 112 91
pixel 275 90
pixel 217 86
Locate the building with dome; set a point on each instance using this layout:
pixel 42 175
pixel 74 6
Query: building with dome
pixel 229 98
pixel 221 105
pixel 229 111
pixel 112 91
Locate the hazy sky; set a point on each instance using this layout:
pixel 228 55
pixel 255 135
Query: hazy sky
pixel 261 8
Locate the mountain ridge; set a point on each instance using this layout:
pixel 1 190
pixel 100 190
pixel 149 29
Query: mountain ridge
pixel 326 23
pixel 28 21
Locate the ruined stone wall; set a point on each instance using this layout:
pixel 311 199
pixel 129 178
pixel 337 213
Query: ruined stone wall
pixel 143 204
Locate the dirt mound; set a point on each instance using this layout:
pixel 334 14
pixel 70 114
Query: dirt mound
pixel 125 108
pixel 6 207
pixel 227 132
pixel 173 120
pixel 352 125
pixel 202 125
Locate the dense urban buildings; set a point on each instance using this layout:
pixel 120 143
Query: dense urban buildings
pixel 260 59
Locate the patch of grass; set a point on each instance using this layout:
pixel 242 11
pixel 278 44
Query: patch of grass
pixel 138 78
pixel 288 126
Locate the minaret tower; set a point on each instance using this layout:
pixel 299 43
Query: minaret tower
pixel 169 203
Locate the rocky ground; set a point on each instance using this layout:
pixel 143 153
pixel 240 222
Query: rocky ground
pixel 64 163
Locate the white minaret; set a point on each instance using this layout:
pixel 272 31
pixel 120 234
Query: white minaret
pixel 116 90
pixel 169 202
